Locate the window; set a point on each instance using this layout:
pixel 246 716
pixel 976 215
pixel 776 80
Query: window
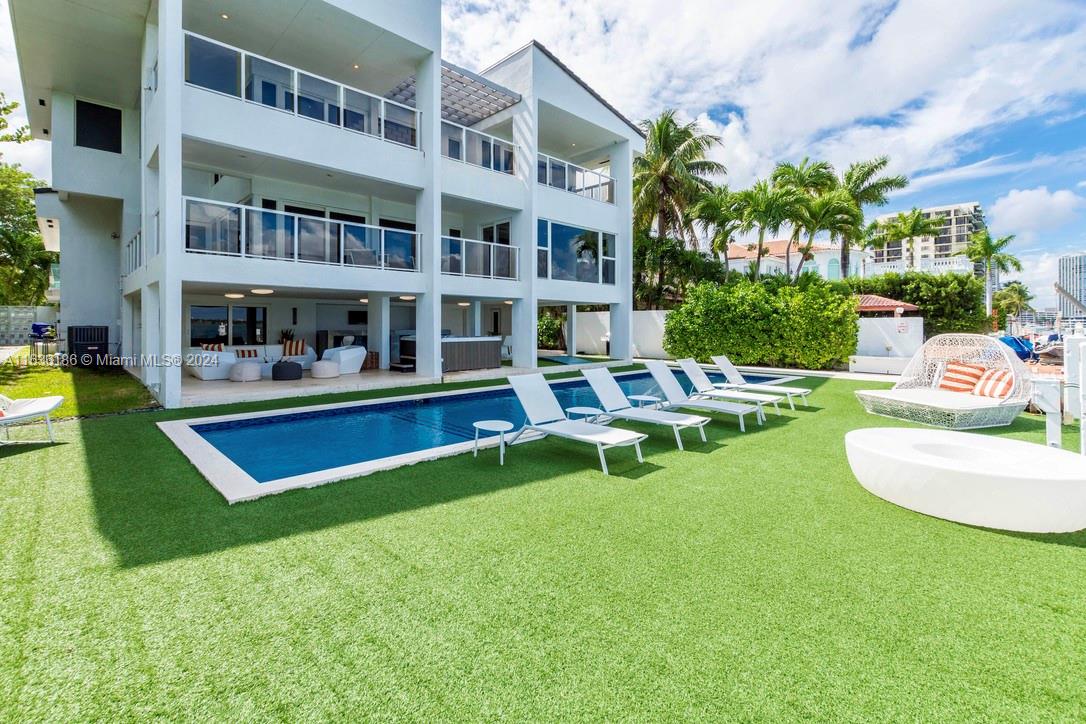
pixel 209 325
pixel 97 127
pixel 543 243
pixel 249 325
pixel 212 66
pixel 608 268
pixel 574 253
pixel 497 233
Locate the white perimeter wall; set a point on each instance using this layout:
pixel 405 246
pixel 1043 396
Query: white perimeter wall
pixel 648 333
pixel 890 337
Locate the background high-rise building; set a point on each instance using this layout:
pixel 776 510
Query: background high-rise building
pixel 1072 284
pixel 942 252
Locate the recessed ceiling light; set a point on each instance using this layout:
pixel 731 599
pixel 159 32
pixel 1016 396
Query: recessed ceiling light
pixel 224 16
pixel 262 291
pixel 356 66
pixel 407 298
pixel 364 300
pixel 463 304
pixel 234 295
pixel 508 301
pixel 573 144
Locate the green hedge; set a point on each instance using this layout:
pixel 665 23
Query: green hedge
pixel 811 328
pixel 948 302
pixel 550 332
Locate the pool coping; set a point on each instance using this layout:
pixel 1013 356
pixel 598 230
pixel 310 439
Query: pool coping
pixel 237 486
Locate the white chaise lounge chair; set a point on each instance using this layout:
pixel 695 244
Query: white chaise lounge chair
pixel 30 408
pixel 702 386
pixel 546 416
pixel 617 406
pixel 736 381
pixel 918 397
pixel 675 397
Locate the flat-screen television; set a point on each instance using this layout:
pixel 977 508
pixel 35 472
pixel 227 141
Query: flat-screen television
pixel 357 316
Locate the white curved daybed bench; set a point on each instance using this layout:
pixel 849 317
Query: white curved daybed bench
pixel 918 398
pixel 974 479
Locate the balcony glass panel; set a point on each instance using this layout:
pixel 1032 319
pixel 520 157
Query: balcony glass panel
pixel 452 141
pixel 269 83
pixel 270 234
pixel 400 251
pixel 361 112
pixel 212 66
pixel 452 255
pixel 361 245
pixel 541 170
pixel 574 253
pixel 477 259
pixel 505 262
pixel 558 174
pixel 503 156
pixel 212 228
pixel 318 99
pixel 479 149
pixel 318 240
pixel 401 125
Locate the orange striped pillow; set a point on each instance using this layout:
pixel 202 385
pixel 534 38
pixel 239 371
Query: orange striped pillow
pixel 293 347
pixel 245 353
pixel 211 347
pixel 961 377
pixel 994 383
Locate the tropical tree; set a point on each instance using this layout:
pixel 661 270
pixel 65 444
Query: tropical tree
pixel 1013 299
pixel 867 186
pixel 834 212
pixel 810 178
pixel 24 262
pixel 908 226
pixel 766 207
pixel 18 135
pixel 983 249
pixel 672 173
pixel 720 218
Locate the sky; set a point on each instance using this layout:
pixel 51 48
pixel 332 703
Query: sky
pixel 974 100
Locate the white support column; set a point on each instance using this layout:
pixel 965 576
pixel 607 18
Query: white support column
pixel 150 344
pixel 525 313
pixel 428 218
pixel 475 326
pixel 171 77
pixel 378 326
pixel 571 330
pixel 525 333
pixel 621 314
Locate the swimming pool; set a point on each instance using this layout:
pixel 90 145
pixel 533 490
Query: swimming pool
pixel 246 456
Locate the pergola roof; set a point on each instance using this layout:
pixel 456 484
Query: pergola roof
pixel 466 98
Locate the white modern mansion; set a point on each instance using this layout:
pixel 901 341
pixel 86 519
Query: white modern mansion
pixel 942 253
pixel 225 171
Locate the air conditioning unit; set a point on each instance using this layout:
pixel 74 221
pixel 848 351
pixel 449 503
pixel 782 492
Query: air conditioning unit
pixel 89 345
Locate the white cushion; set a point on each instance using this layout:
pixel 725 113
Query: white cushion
pixel 942 399
pixel 245 371
pixel 324 369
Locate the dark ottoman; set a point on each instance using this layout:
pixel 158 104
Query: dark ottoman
pixel 286 370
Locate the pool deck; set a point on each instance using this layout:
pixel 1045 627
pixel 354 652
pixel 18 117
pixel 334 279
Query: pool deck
pixel 200 393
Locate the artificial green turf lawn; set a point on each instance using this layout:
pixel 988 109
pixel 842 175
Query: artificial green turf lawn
pixel 747 578
pixel 85 391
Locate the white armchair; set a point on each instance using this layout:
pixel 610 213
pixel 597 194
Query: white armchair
pixel 349 359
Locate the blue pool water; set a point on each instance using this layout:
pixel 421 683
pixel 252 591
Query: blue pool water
pixel 279 446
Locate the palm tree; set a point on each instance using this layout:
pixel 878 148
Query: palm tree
pixel 720 219
pixel 863 182
pixel 766 208
pixel 834 212
pixel 983 249
pixel 671 174
pixel 1014 298
pixel 810 178
pixel 907 227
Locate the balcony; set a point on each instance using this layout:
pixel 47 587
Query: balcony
pixel 559 174
pixel 461 143
pixel 213 227
pixel 474 258
pixel 221 68
pixel 946 265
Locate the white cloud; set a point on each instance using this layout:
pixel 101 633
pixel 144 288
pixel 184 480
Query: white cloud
pixel 1039 272
pixel 1026 212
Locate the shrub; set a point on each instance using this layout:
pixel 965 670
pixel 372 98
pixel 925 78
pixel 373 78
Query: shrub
pixel 753 323
pixel 948 302
pixel 550 332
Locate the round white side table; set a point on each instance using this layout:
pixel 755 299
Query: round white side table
pixel 499 426
pixel 644 400
pixel 590 414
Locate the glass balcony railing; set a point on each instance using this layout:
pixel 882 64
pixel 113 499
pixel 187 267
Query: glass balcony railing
pixel 478 149
pixel 212 227
pixel 560 174
pixel 224 69
pixel 474 258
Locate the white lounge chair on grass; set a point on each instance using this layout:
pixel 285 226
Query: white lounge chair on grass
pixel 702 386
pixel 675 397
pixel 546 416
pixel 617 406
pixel 736 381
pixel 30 408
